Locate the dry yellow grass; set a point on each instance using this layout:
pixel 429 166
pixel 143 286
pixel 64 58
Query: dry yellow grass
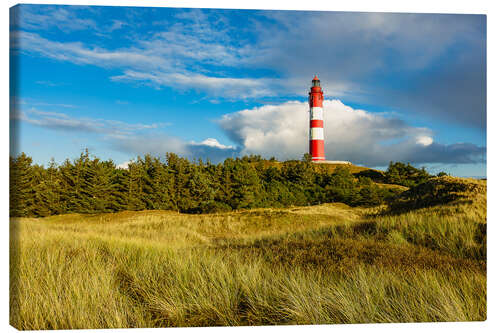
pixel 300 265
pixel 351 167
pixel 330 167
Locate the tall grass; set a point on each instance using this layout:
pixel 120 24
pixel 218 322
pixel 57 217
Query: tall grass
pixel 316 265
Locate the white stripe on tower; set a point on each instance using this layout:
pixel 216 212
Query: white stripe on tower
pixel 316 133
pixel 316 113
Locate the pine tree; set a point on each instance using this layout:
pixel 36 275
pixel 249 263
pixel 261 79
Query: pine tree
pixel 135 196
pixel 99 187
pixel 47 190
pixel 74 185
pixel 162 185
pixel 245 184
pixel 22 194
pixel 201 191
pixel 120 181
pixel 181 170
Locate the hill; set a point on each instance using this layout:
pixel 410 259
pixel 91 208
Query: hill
pixel 354 169
pixel 443 190
pixel 329 263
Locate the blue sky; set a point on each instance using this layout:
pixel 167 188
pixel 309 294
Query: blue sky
pixel 125 81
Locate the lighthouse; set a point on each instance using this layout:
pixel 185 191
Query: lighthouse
pixel 316 137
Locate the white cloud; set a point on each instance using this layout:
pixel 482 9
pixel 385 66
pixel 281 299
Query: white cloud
pixel 158 62
pixel 241 88
pixel 424 140
pixel 64 122
pixel 117 24
pixel 17 102
pixel 47 83
pixel 277 130
pixel 66 19
pixel 211 142
pixel 354 135
pixel 124 165
pixel 78 53
pixel 45 17
pixel 158 144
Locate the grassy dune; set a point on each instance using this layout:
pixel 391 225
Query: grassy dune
pixel 330 167
pixel 303 265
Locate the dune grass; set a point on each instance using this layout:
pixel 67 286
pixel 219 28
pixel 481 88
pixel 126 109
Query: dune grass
pixel 305 265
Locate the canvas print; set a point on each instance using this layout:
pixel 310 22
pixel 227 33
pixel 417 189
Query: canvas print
pixel 174 167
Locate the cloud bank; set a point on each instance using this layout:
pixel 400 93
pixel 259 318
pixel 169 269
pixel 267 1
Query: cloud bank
pixel 370 139
pixel 130 138
pixel 367 138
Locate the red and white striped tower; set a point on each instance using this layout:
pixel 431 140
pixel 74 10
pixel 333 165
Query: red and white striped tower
pixel 316 137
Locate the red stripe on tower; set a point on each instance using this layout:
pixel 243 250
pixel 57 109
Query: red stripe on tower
pixel 316 137
pixel 316 123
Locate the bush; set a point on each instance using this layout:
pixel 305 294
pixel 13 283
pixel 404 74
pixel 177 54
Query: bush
pixel 438 191
pixel 405 174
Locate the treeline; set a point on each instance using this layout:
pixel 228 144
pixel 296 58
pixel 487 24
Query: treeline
pixel 91 185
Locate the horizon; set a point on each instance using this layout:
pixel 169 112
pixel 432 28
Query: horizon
pixel 214 83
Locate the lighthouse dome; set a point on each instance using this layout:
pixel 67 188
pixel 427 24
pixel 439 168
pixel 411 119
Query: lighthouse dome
pixel 315 81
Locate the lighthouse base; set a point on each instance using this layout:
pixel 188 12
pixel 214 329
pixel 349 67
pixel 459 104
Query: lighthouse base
pixel 331 162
